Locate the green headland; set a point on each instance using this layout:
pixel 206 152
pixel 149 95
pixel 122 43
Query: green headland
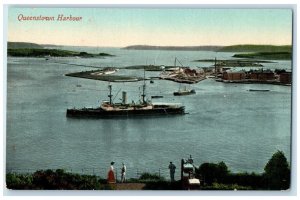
pixel 23 49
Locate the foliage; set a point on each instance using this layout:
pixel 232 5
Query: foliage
pixel 279 71
pixel 253 181
pixel 36 52
pixel 275 177
pixel 30 52
pixel 215 176
pixel 61 180
pixel 277 172
pixel 54 180
pixel 219 186
pixel 256 48
pixel 19 45
pixel 211 172
pixel 14 181
pixel 151 177
pixel 266 55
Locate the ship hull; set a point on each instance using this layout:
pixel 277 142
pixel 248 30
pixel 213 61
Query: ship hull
pixel 100 113
pixel 183 93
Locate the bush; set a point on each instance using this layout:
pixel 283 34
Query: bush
pixel 59 180
pixel 211 172
pixel 151 177
pixel 55 180
pixel 14 181
pixel 253 181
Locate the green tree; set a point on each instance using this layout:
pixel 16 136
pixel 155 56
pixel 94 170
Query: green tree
pixel 277 172
pixel 212 172
pixel 222 171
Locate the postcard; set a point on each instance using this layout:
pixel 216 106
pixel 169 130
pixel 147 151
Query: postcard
pixel 149 98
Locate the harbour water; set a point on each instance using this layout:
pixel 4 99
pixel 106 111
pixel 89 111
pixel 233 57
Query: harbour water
pixel 226 122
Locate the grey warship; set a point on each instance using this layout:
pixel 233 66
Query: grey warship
pixel 108 109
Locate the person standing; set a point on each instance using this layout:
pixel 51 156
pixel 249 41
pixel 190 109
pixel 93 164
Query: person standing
pixel 172 168
pixel 111 174
pixel 123 173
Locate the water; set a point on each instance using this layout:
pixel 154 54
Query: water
pixel 225 121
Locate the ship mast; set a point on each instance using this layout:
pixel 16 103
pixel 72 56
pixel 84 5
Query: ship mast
pixel 215 67
pixel 144 88
pixel 110 95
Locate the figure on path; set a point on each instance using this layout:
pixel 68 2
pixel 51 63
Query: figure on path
pixel 172 168
pixel 111 174
pixel 123 173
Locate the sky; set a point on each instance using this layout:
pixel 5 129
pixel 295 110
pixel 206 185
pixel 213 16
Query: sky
pixel 120 27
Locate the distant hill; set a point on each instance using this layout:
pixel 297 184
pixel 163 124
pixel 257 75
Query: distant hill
pixel 23 45
pixel 34 52
pixel 175 48
pixel 256 48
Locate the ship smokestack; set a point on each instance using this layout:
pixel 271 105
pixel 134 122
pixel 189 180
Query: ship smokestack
pixel 124 97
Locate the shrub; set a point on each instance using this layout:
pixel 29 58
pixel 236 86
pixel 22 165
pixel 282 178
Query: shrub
pixel 151 177
pixel 14 181
pixel 253 181
pixel 211 172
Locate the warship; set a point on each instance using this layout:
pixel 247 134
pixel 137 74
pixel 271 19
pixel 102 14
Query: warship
pixel 108 109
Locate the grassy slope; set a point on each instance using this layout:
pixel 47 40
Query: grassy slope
pixel 256 48
pixel 32 52
pixel 266 55
pixel 23 45
pixel 29 52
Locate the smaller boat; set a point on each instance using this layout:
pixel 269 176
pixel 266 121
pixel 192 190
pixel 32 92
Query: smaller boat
pixel 157 96
pixel 258 90
pixel 184 92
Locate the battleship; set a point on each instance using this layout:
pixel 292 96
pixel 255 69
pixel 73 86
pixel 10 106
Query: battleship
pixel 108 109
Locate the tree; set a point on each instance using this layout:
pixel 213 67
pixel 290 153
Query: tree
pixel 277 172
pixel 212 172
pixel 222 171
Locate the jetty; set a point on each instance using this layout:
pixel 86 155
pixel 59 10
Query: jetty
pixel 183 74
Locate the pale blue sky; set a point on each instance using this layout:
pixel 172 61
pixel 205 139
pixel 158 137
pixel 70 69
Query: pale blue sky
pixel 129 26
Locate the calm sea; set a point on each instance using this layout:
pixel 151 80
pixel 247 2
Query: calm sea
pixel 226 122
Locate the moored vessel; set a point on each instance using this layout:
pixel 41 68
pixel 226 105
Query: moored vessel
pixel 109 109
pixel 184 92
